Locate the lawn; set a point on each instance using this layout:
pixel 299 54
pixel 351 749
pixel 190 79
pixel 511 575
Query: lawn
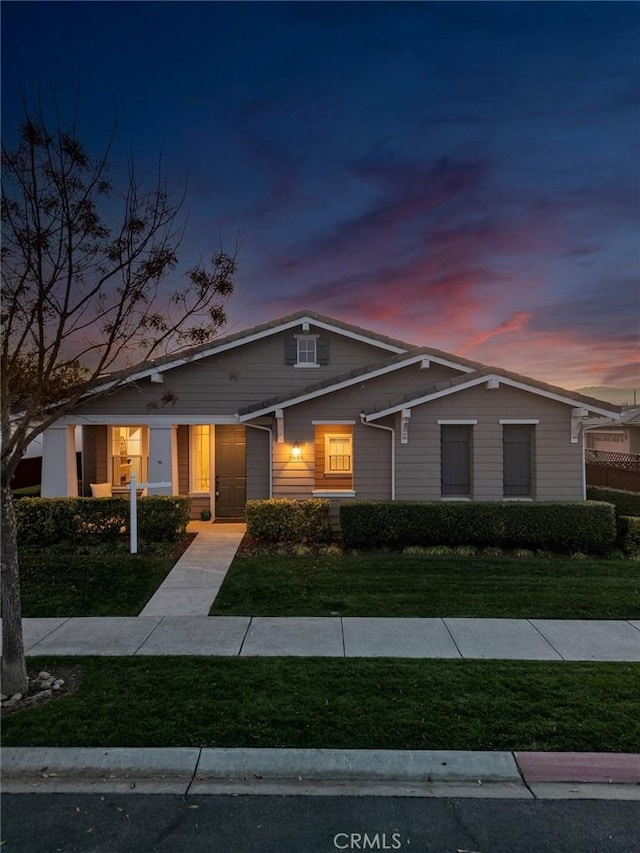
pixel 361 704
pixel 412 585
pixel 92 583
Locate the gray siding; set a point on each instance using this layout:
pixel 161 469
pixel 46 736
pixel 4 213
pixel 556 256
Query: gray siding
pixel 183 459
pixel 371 446
pixel 257 464
pixel 94 456
pixel 557 466
pixel 243 376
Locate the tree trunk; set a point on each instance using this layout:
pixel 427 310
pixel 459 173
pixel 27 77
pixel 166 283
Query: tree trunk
pixel 14 667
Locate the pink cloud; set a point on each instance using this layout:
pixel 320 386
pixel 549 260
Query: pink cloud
pixel 513 324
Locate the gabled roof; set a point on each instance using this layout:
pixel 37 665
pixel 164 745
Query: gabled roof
pixel 263 330
pixel 631 415
pixel 485 374
pixel 344 380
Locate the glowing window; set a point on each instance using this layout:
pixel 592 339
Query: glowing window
pixel 338 454
pixel 201 458
pixel 128 454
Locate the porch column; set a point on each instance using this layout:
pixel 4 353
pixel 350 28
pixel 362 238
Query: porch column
pixel 59 472
pixel 163 458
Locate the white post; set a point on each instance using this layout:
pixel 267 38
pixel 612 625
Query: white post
pixel 163 457
pixel 133 515
pixel 59 475
pixel 133 507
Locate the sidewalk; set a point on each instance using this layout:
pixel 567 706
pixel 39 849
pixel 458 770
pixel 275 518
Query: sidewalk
pixel 349 636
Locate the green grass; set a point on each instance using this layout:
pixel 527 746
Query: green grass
pixel 403 585
pixel 362 704
pixel 92 583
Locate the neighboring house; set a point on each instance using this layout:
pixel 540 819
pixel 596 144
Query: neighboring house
pixel 618 436
pixel 613 452
pixel 310 406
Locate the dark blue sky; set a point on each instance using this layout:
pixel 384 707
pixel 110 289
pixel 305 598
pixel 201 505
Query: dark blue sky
pixel 459 175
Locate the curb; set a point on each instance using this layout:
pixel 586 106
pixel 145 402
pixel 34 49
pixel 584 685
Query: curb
pixel 186 770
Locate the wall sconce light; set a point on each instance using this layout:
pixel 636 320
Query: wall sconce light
pixel 296 452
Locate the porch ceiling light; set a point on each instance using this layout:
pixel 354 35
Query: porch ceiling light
pixel 296 452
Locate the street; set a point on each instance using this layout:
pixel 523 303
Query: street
pixel 138 823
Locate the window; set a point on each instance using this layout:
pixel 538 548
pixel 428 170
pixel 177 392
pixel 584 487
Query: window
pixel 455 459
pixel 201 458
pixel 337 454
pixel 516 459
pixel 128 454
pixel 307 349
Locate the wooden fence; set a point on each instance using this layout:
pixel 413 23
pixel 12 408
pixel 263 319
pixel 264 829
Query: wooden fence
pixel 613 470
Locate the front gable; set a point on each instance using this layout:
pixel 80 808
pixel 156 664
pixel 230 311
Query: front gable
pixel 240 370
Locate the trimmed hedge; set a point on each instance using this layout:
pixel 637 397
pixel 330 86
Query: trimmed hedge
pixel 588 526
pixel 629 534
pixel 50 521
pixel 287 520
pixel 626 503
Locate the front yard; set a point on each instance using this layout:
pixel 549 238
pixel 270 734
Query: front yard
pixel 415 585
pixel 347 703
pixel 94 583
pixel 344 703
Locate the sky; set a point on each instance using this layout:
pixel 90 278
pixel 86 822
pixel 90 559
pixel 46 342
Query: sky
pixel 464 176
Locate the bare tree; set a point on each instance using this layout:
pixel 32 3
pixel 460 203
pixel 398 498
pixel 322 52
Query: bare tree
pixel 82 297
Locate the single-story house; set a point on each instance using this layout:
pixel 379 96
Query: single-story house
pixel 617 436
pixel 307 406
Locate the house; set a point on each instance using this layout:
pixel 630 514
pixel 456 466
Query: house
pixel 617 436
pixel 613 451
pixel 309 406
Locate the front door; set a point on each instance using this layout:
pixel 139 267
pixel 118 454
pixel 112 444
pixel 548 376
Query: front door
pixel 231 471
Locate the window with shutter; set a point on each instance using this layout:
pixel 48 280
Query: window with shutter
pixel 516 459
pixel 455 459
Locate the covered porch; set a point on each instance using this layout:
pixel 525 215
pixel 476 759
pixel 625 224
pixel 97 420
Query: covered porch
pixel 218 464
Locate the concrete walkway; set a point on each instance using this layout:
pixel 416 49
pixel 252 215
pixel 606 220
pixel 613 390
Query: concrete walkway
pixel 191 586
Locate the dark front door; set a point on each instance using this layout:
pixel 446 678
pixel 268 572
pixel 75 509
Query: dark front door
pixel 231 471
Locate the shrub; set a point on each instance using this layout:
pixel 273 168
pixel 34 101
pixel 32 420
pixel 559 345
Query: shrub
pixel 90 521
pixel 626 503
pixel 629 534
pixel 586 526
pixel 163 518
pixel 286 520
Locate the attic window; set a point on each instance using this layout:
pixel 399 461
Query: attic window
pixel 307 346
pixel 306 350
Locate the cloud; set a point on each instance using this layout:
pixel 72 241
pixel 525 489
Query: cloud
pixel 514 324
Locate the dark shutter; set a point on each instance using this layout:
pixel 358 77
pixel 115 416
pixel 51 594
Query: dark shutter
pixel 322 350
pixel 516 460
pixel 290 350
pixel 455 458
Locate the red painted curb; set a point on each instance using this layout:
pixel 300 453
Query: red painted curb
pixel 622 768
